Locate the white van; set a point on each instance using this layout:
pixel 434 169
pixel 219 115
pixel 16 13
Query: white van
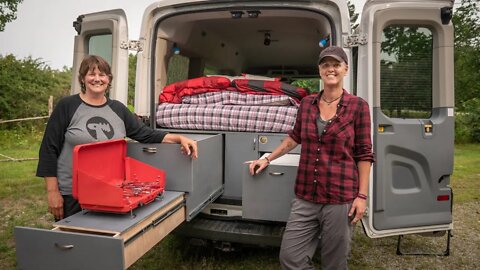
pixel 401 63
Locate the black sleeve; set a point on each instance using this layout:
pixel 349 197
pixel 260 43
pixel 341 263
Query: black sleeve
pixel 135 129
pixel 54 135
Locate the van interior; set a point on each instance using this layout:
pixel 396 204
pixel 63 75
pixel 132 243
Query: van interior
pixel 281 43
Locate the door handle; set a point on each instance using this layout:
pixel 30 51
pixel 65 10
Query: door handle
pixel 276 173
pixel 149 149
pixel 63 247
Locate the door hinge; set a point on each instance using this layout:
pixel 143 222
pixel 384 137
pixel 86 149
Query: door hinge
pixel 354 40
pixel 132 45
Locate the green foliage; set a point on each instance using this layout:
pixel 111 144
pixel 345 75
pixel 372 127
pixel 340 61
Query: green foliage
pixel 467 124
pixel 406 71
pixel 8 10
pixel 132 69
pixel 312 85
pixel 26 86
pixel 466 21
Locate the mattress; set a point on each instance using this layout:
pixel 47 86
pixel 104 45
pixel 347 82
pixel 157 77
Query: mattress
pixel 221 117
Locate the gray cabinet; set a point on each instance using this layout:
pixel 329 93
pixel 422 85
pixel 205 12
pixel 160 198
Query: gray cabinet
pixel 201 179
pixel 268 195
pixel 90 240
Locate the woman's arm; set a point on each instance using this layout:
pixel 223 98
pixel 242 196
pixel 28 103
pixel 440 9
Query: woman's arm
pixel 286 146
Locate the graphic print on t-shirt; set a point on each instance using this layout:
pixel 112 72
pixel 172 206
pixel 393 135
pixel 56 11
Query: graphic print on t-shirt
pixel 99 128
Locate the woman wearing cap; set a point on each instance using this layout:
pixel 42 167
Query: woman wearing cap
pixel 331 187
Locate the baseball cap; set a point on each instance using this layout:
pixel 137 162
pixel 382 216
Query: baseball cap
pixel 334 52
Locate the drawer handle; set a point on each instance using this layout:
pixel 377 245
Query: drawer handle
pixel 150 149
pixel 276 173
pixel 63 247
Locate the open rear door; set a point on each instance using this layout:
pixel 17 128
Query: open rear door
pixel 405 72
pixel 104 34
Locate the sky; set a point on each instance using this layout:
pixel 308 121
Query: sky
pixel 43 28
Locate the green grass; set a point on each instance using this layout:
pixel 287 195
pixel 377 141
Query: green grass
pixel 23 203
pixel 466 173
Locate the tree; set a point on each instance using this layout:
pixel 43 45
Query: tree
pixel 26 86
pixel 132 67
pixel 466 21
pixel 8 10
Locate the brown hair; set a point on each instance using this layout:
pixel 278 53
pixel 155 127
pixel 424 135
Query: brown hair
pixel 90 62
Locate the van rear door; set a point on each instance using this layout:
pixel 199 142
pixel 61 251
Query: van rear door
pixel 104 34
pixel 405 72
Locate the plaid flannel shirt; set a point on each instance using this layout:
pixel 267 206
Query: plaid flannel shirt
pixel 328 171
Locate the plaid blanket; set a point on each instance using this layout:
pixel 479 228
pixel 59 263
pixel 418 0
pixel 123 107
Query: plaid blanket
pixel 226 117
pixel 235 98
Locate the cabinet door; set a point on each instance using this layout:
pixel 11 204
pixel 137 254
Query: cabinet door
pixel 268 195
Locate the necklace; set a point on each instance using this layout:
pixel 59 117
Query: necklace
pixel 331 101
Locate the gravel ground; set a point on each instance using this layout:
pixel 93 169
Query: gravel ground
pixel 464 246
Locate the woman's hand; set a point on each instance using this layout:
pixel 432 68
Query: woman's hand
pixel 55 204
pixel 54 198
pixel 359 206
pixel 188 147
pixel 258 165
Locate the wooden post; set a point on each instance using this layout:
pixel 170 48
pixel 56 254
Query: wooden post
pixel 50 105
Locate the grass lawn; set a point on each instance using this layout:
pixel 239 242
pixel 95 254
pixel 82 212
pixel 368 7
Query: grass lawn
pixel 23 203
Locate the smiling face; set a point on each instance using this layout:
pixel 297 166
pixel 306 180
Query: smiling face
pixel 95 75
pixel 96 81
pixel 332 71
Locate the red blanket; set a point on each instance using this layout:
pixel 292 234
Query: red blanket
pixel 173 93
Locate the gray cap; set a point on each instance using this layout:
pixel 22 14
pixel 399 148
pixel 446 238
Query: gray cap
pixel 334 52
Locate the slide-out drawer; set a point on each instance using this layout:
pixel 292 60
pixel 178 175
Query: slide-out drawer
pixel 201 179
pixel 92 240
pixel 268 195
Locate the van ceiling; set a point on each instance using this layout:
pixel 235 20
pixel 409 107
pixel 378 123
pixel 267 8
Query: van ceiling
pixel 278 39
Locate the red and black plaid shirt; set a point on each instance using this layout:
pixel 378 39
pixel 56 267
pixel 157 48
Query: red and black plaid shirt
pixel 328 171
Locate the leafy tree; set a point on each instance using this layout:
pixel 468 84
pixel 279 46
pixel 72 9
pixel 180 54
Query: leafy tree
pixel 26 86
pixel 406 50
pixel 132 67
pixel 466 21
pixel 8 10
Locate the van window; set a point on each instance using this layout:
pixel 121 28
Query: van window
pixel 314 85
pixel 101 45
pixel 177 68
pixel 406 72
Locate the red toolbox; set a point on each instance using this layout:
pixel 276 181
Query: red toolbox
pixel 105 179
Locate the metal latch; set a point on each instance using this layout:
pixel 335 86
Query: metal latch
pixel 428 128
pixel 132 45
pixel 354 40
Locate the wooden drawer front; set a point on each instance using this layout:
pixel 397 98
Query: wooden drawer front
pixel 268 196
pixel 45 249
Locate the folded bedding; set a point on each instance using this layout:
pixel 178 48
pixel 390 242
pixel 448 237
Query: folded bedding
pixel 225 104
pixel 226 117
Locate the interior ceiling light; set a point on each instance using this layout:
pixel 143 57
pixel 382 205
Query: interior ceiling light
pixel 253 14
pixel 236 14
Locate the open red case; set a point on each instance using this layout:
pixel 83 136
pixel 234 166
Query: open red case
pixel 105 179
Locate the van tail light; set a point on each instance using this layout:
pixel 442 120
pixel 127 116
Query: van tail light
pixel 443 197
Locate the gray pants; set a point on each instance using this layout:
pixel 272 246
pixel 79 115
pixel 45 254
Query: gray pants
pixel 310 225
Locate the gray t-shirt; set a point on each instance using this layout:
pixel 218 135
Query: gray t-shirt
pixel 75 122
